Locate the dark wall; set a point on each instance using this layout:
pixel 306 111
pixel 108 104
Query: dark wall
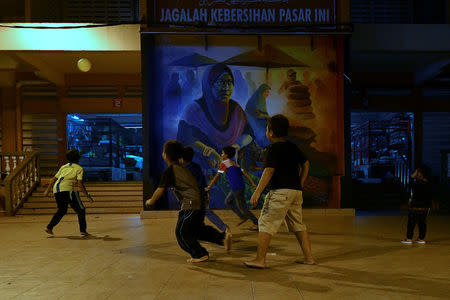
pixel 436 137
pixel 431 11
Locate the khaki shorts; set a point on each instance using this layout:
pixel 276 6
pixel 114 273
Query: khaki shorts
pixel 279 205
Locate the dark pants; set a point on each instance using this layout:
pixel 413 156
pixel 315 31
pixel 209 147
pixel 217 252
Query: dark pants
pixel 63 199
pixel 215 219
pixel 191 228
pixel 417 217
pixel 239 206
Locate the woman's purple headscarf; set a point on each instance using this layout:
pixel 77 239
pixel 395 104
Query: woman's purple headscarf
pixel 213 73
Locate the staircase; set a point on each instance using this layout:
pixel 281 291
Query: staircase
pixel 109 198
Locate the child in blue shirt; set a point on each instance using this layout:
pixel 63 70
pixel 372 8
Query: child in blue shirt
pixel 234 175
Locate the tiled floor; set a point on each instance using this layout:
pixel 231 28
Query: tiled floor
pixel 129 258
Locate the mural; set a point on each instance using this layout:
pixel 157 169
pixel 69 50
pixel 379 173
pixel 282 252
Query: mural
pixel 222 94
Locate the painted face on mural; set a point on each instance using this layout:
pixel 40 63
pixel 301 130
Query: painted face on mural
pixel 291 75
pixel 223 87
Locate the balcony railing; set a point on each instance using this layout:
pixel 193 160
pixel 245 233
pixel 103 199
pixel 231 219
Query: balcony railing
pixel 22 170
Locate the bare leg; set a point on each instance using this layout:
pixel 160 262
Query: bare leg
pixel 263 244
pixel 305 244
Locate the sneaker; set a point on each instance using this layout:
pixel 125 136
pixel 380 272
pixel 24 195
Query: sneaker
pixel 422 242
pixel 49 231
pixel 408 242
pixel 85 233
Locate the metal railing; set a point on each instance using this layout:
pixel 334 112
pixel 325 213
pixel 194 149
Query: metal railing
pixel 23 176
pixel 403 173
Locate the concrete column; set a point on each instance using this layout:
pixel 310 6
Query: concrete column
pixel 418 126
pixel 19 133
pixel 9 123
pixel 61 120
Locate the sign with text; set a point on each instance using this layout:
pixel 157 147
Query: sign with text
pixel 252 13
pixel 117 102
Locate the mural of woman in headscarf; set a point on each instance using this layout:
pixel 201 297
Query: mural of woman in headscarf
pixel 215 120
pixel 256 110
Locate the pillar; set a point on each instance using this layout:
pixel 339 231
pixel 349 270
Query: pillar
pixel 9 122
pixel 61 120
pixel 418 126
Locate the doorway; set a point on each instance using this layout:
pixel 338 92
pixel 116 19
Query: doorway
pixel 110 145
pixel 382 154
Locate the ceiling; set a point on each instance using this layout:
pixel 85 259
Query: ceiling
pixel 54 65
pixel 102 62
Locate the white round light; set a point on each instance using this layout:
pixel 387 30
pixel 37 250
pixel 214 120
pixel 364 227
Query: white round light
pixel 84 65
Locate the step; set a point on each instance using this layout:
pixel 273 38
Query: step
pixel 96 199
pixel 48 171
pixel 102 193
pixel 104 188
pixel 118 183
pixel 119 197
pixel 91 210
pixel 87 204
pixel 122 189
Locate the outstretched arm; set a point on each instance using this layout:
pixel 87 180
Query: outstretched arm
pixel 82 187
pixel 263 182
pixel 50 186
pixel 249 178
pixel 155 197
pixel 206 150
pixel 213 181
pixel 304 173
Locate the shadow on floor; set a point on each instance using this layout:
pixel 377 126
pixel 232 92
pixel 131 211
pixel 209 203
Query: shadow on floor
pixel 106 238
pixel 289 274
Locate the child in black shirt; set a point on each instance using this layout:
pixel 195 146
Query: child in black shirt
pixel 285 171
pixel 419 205
pixel 190 226
pixel 188 155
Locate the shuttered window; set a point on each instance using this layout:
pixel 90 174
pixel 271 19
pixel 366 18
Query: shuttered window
pixel 40 134
pixel 101 11
pixel 71 11
pixel 382 11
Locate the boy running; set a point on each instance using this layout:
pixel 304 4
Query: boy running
pixel 285 172
pixel 234 174
pixel 190 226
pixel 63 190
pixel 186 160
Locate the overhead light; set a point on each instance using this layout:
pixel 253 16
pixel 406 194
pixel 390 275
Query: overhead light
pixel 76 118
pixel 84 65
